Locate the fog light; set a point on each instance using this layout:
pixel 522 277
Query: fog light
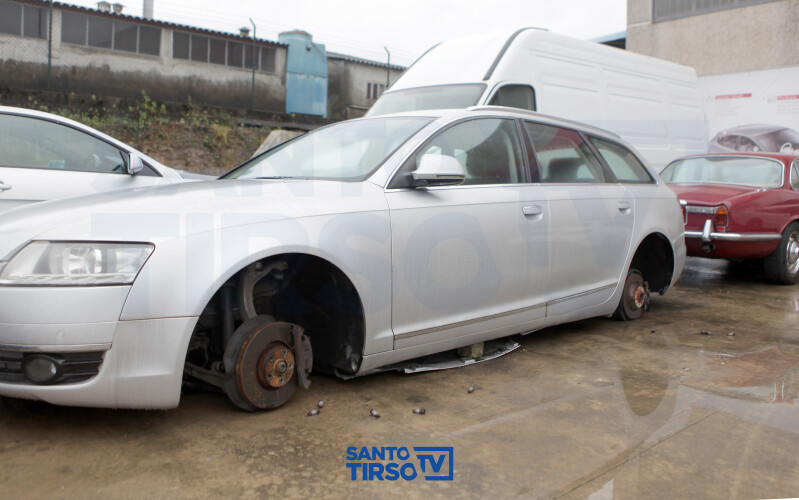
pixel 41 369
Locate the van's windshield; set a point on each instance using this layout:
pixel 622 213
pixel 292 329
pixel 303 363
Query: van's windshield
pixel 436 97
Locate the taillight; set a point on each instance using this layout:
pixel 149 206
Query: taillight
pixel 720 218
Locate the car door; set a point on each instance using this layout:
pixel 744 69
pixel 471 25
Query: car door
pixel 468 260
pixel 44 160
pixel 628 170
pixel 590 220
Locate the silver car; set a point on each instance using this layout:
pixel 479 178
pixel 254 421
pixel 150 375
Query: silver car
pixel 46 157
pixel 348 250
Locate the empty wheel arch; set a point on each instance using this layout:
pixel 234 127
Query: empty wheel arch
pixel 299 289
pixel 654 259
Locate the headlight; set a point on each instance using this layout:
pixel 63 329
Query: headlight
pixel 56 263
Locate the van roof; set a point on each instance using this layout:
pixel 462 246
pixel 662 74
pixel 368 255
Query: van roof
pixel 456 61
pixel 476 58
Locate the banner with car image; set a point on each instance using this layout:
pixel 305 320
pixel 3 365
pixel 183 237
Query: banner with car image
pixel 754 111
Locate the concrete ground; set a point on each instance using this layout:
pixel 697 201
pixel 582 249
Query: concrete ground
pixel 595 409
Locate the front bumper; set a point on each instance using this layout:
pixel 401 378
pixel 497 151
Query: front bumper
pixel 142 369
pixel 141 361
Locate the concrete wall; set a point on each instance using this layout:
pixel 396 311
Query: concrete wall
pixel 757 37
pixel 348 84
pixel 82 69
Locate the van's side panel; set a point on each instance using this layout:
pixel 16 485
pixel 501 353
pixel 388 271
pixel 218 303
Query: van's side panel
pixel 653 104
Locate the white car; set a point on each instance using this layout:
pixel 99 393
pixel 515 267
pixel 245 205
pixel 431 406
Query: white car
pixel 355 247
pixel 47 157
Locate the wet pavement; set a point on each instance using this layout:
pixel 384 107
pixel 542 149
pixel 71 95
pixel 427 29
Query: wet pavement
pixel 594 409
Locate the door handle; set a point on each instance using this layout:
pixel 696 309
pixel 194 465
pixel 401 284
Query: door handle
pixel 533 211
pixel 624 207
pixel 4 186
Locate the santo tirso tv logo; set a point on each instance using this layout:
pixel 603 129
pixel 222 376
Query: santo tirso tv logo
pixel 392 463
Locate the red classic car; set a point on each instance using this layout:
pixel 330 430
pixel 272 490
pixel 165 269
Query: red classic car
pixel 741 206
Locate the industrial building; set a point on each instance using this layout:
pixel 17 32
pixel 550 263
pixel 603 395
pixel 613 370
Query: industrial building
pixel 106 52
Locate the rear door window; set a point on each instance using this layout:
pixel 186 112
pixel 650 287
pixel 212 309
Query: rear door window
pixel 563 156
pixel 621 161
pixel 515 96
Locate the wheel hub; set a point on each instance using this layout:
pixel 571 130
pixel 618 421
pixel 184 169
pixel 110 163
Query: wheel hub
pixel 275 366
pixel 639 296
pixel 260 364
pixel 792 254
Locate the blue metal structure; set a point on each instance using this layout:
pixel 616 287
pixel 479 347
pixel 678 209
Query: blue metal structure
pixel 306 74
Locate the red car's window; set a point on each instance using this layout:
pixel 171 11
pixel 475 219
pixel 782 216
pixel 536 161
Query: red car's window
pixel 742 170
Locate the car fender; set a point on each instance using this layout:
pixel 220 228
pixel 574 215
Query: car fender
pixel 358 244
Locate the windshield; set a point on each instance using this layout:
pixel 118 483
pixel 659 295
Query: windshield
pixel 757 172
pixel 783 141
pixel 438 97
pixel 346 151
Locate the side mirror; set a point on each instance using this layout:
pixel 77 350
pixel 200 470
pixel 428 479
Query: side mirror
pixel 133 164
pixel 438 170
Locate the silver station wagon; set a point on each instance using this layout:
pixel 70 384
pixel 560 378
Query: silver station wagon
pixel 348 250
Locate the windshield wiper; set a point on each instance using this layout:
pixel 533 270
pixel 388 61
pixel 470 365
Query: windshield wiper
pixel 275 177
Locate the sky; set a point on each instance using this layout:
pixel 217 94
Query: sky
pixel 363 28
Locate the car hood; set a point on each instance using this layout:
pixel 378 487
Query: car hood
pixel 171 211
pixel 711 194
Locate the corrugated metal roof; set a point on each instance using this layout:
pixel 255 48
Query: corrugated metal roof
pixel 149 22
pixel 359 60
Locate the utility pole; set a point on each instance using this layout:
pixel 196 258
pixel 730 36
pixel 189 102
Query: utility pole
pixel 388 67
pixel 50 47
pixel 254 54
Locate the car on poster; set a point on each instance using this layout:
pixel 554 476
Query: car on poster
pixel 350 249
pixel 741 206
pixel 45 157
pixel 756 138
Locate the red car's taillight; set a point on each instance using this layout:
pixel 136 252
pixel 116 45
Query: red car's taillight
pixel 720 218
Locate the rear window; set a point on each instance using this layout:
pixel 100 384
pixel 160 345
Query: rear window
pixel 757 172
pixel 622 162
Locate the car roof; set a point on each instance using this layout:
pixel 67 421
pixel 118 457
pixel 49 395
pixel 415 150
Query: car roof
pixel 753 129
pixel 785 158
pixel 503 111
pixel 56 118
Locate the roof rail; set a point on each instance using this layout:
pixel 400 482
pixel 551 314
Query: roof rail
pixel 521 111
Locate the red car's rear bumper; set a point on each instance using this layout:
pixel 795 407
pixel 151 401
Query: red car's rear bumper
pixel 723 245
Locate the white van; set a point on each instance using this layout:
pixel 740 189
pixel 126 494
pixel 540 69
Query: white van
pixel 653 104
